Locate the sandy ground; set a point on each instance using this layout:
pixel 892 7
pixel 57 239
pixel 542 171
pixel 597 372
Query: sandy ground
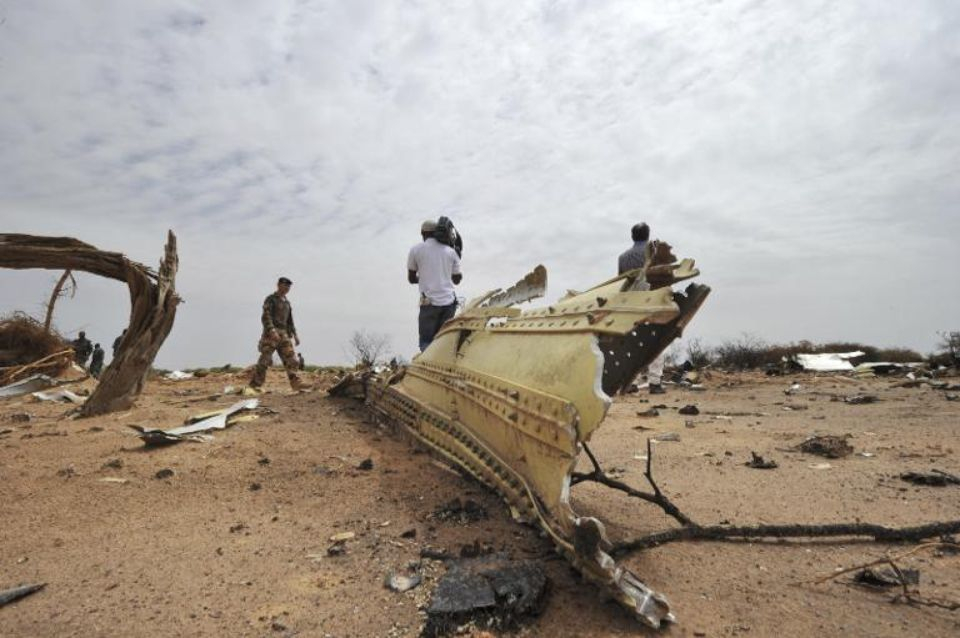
pixel 234 542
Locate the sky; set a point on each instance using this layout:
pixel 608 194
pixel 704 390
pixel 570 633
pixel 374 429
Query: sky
pixel 805 154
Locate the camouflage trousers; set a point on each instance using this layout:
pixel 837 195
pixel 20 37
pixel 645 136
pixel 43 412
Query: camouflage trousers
pixel 282 346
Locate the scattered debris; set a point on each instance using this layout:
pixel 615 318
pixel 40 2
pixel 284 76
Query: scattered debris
pixel 460 511
pixel 63 396
pixel 177 375
pixel 935 478
pixel 20 417
pixel 31 384
pixel 886 578
pixel 400 583
pixel 165 473
pixel 342 537
pixel 113 464
pixel 793 389
pixel 666 437
pixel 114 479
pixel 866 455
pixel 829 446
pixel 217 420
pixel 7 596
pixel 689 410
pixel 757 462
pixel 827 362
pixel 860 399
pixel 339 543
pixel 491 593
pixel 820 466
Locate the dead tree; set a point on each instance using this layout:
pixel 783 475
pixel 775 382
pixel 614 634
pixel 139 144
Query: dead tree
pixel 153 301
pixel 58 292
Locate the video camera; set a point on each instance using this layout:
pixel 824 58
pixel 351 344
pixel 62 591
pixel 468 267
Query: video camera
pixel 446 234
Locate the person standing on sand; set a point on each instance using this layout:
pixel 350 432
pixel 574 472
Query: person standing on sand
pixel 279 335
pixel 96 363
pixel 631 259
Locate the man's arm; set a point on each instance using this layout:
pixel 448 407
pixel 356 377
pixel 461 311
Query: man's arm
pixel 456 275
pixel 412 268
pixel 267 317
pixel 291 328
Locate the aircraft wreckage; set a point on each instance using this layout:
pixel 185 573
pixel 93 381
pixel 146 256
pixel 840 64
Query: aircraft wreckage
pixel 512 397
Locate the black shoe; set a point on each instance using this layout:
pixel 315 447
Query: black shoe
pixel 656 388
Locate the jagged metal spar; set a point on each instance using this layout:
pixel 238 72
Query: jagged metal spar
pixel 511 397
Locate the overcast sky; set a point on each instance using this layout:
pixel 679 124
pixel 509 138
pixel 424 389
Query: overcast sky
pixel 806 154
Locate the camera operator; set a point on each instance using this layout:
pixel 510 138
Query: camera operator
pixel 435 267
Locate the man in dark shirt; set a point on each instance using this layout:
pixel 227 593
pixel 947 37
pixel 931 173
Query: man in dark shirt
pixel 279 334
pixel 82 348
pixel 635 256
pixel 96 363
pixel 631 259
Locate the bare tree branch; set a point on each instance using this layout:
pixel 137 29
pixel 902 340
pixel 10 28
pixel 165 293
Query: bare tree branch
pixel 56 294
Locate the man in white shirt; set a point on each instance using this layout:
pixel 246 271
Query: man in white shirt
pixel 435 268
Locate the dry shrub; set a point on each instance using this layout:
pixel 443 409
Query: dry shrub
pixel 23 341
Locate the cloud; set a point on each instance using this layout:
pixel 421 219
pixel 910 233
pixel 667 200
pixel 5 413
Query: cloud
pixel 805 154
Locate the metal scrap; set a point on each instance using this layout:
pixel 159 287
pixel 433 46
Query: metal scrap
pixel 217 420
pixel 63 396
pixel 935 478
pixel 511 397
pixel 7 596
pixel 26 386
pixel 828 362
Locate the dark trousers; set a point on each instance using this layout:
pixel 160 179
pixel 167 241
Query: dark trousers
pixel 431 318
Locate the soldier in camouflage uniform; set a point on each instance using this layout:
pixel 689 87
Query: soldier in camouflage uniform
pixel 279 334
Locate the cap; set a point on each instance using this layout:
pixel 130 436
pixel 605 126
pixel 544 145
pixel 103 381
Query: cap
pixel 284 280
pixel 428 226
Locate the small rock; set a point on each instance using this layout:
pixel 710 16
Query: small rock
pixel 689 410
pixel 165 473
pixel 410 533
pixel 400 583
pixel 366 465
pixel 21 417
pixel 255 487
pixel 113 464
pixel 652 412
pixel 263 461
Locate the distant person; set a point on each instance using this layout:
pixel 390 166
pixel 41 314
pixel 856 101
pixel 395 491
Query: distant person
pixel 303 364
pixel 96 363
pixel 631 259
pixel 279 335
pixel 435 268
pixel 81 348
pixel 118 341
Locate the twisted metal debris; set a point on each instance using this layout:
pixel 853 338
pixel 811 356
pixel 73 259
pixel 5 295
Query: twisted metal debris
pixel 511 397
